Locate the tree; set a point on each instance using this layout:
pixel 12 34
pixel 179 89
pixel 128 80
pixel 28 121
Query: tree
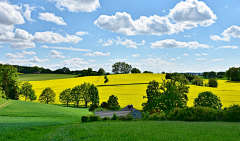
pixel 94 97
pixel 147 72
pixel 212 82
pixel 208 99
pixel 135 70
pixel 113 103
pixel 233 74
pixel 168 76
pixel 47 95
pixel 86 95
pixel 32 95
pixel 121 67
pixel 8 81
pixel 2 93
pixel 166 97
pixel 25 90
pixel 106 79
pixel 212 74
pixel 77 94
pixel 205 74
pixel 101 71
pixel 221 74
pixel 197 81
pixel 89 72
pixel 65 96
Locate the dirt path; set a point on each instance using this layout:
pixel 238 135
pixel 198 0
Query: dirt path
pixel 5 104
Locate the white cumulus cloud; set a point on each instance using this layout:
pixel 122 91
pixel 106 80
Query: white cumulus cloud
pixel 200 59
pixel 22 45
pixel 10 55
pixel 66 48
pixel 81 33
pixel 36 59
pixel 229 47
pixel 185 54
pixel 28 12
pixel 135 55
pixel 171 43
pixel 233 31
pixel 77 5
pixel 50 17
pixel 97 53
pixel 56 54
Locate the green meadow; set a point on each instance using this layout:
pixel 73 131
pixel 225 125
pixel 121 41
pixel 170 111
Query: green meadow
pixel 20 120
pixel 39 77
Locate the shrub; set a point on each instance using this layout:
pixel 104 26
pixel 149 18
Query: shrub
pixel 145 115
pixel 106 118
pixel 104 105
pixel 212 82
pixel 129 117
pixel 106 79
pixel 157 116
pixel 115 117
pixel 232 113
pixel 85 119
pixel 93 107
pixel 94 118
pixel 100 109
pixel 208 99
pixel 197 81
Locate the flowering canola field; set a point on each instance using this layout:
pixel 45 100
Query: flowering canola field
pixel 130 88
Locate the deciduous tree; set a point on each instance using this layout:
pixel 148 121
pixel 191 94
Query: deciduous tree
pixel 135 70
pixel 121 67
pixel 113 103
pixel 47 95
pixel 208 99
pixel 26 89
pixel 77 94
pixel 65 96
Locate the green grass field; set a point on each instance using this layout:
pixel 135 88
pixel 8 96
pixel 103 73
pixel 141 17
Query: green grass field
pixel 21 120
pixel 39 77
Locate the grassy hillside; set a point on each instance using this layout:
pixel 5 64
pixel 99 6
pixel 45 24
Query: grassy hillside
pixel 39 77
pixel 130 88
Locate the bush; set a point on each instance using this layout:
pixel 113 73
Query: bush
pixel 124 118
pixel 212 82
pixel 115 117
pixel 106 79
pixel 195 114
pixel 85 119
pixel 197 81
pixel 145 116
pixel 106 118
pixel 104 105
pixel 100 109
pixel 94 118
pixel 129 117
pixel 232 113
pixel 208 99
pixel 93 107
pixel 157 116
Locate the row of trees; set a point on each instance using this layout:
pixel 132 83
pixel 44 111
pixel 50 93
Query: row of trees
pixel 170 95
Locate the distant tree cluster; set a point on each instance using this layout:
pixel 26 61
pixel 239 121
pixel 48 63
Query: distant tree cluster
pixel 233 74
pixel 121 68
pixel 184 78
pixel 213 74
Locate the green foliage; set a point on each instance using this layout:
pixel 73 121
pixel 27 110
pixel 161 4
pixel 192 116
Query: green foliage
pixel 194 114
pixel 106 79
pixel 158 116
pixel 94 118
pixel 2 93
pixel 77 94
pixel 85 119
pixel 208 99
pixel 8 81
pixel 63 70
pixel 32 95
pixel 39 77
pixel 101 71
pixel 212 82
pixel 166 97
pixel 145 116
pixel 168 76
pixel 232 113
pixel 197 81
pixel 147 72
pixel 85 87
pixel 93 107
pixel 100 109
pixel 121 67
pixel 115 117
pixel 47 95
pixel 113 103
pixel 127 117
pixel 94 96
pixel 135 70
pixel 211 74
pixel 106 118
pixel 233 74
pixel 27 91
pixel 104 105
pixel 65 96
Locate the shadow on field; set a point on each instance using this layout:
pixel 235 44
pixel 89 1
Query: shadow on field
pixel 232 81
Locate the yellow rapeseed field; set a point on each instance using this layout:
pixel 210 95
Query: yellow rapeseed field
pixel 130 88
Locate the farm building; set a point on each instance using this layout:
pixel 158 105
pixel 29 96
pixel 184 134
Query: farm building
pixel 127 110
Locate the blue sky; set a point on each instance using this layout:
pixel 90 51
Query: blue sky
pixel 156 35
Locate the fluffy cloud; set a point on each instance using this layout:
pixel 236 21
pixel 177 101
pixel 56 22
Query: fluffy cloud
pixel 22 45
pixel 230 47
pixel 50 17
pixel 200 59
pixel 118 60
pixel 28 11
pixel 157 62
pixel 56 54
pixel 77 5
pixel 190 13
pixel 36 59
pixel 173 59
pixel 66 48
pixel 10 14
pixel 185 54
pixel 198 54
pixel 171 43
pixel 81 33
pixel 204 54
pixel 218 59
pixel 51 37
pixel 233 31
pixel 29 53
pixel 122 41
pixel 135 55
pixel 22 34
pixel 97 54
pixel 185 15
pixel 178 58
pixel 10 55
pixel 74 62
